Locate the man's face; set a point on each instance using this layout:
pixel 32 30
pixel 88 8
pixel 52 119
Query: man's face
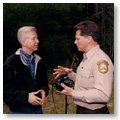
pixel 31 41
pixel 81 41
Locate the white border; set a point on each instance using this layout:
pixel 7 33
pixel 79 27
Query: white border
pixel 116 56
pixel 59 1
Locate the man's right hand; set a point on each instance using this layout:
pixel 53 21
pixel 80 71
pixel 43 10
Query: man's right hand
pixel 61 70
pixel 33 99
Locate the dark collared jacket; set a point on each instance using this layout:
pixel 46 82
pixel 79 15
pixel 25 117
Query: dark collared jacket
pixel 18 82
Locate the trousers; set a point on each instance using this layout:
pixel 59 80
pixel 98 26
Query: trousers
pixel 83 110
pixel 28 111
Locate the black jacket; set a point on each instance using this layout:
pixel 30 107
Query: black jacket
pixel 18 82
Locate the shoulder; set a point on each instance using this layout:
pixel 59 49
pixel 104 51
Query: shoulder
pixel 39 60
pixel 11 62
pixel 102 56
pixel 37 57
pixel 42 63
pixel 12 59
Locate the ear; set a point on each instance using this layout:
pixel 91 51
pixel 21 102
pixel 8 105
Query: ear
pixel 90 38
pixel 22 42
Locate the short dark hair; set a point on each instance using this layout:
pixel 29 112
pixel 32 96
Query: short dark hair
pixel 88 28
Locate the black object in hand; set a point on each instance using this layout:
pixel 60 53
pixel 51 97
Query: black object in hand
pixel 63 79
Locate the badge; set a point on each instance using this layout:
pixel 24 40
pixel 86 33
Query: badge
pixel 103 66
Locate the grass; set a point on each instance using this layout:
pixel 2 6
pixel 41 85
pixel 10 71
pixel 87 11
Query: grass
pixel 59 106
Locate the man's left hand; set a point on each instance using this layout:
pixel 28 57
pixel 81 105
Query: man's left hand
pixel 42 95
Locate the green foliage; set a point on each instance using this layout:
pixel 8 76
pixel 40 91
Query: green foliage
pixel 54 22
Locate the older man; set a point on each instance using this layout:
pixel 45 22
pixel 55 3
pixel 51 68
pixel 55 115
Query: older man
pixel 25 77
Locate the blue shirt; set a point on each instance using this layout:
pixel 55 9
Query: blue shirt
pixel 29 61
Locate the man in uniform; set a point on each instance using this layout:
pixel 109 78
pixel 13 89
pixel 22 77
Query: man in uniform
pixel 94 75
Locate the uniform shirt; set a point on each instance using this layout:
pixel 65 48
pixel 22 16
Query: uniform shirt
pixel 93 80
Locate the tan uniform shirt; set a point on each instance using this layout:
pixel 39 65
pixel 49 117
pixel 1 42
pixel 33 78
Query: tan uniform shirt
pixel 93 80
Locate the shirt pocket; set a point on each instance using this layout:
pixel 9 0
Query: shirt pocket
pixel 86 78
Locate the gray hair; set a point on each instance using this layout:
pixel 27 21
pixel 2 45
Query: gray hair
pixel 23 30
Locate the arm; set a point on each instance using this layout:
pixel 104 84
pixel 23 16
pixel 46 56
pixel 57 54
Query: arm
pixel 72 75
pixel 101 91
pixel 11 95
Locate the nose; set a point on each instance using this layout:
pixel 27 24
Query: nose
pixel 37 40
pixel 75 41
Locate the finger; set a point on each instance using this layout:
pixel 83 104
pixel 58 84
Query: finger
pixel 40 90
pixel 58 91
pixel 55 73
pixel 58 70
pixel 35 92
pixel 65 69
pixel 43 94
pixel 63 91
pixel 60 67
pixel 39 99
pixel 43 97
pixel 43 101
pixel 57 76
pixel 63 85
pixel 55 69
pixel 37 102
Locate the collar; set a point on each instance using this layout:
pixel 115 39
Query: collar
pixel 91 52
pixel 37 58
pixel 27 56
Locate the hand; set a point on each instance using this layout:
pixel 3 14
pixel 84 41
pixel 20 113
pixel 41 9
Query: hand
pixel 42 95
pixel 61 70
pixel 67 90
pixel 33 99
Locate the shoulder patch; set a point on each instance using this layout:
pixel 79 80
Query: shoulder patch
pixel 102 66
